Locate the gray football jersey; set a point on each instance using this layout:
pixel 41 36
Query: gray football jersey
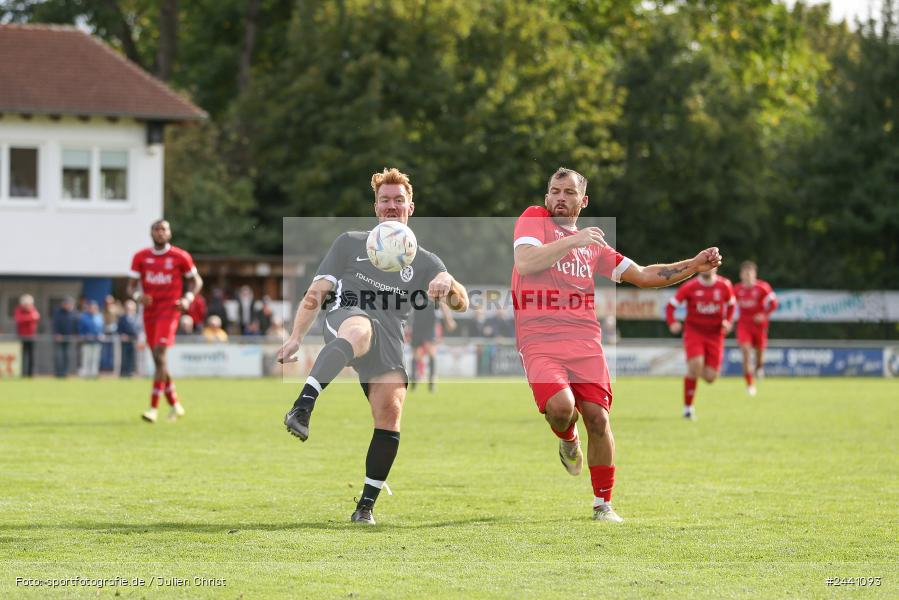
pixel 388 297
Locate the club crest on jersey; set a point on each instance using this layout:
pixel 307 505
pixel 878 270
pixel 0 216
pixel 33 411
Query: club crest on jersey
pixel 168 263
pixel 406 274
pixel 716 295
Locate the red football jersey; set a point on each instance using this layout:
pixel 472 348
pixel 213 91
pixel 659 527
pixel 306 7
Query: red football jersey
pixel 708 306
pixel 558 304
pixel 753 300
pixel 161 274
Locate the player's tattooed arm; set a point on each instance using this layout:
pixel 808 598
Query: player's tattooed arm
pixel 667 272
pixel 663 275
pixel 655 276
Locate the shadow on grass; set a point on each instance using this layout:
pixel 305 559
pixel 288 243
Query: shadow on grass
pixel 187 527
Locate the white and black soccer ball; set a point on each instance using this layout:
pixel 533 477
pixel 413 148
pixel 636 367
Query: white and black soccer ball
pixel 391 246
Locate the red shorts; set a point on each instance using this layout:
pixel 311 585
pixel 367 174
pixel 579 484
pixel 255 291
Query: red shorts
pixel 752 335
pixel 579 365
pixel 160 330
pixel 709 346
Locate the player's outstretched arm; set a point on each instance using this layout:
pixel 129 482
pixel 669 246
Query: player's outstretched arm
pixel 665 275
pixel 533 259
pixel 306 312
pixel 445 287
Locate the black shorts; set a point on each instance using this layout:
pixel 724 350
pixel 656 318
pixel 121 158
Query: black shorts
pixel 385 354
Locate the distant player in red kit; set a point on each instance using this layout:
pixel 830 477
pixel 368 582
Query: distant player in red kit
pixel 710 314
pixel 757 301
pixel 556 330
pixel 161 272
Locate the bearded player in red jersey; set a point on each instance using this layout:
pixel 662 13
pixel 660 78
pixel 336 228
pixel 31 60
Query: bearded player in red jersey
pixel 161 272
pixel 556 330
pixel 757 301
pixel 710 314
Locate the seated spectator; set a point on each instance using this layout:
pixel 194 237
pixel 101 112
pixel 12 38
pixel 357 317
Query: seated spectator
pixel 213 331
pixel 276 329
pixel 186 325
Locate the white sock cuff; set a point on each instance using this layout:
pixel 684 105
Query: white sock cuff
pixel 597 501
pixel 374 482
pixel 314 383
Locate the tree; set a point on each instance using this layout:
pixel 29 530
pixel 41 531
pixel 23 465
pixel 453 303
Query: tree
pixel 847 179
pixel 478 101
pixel 209 208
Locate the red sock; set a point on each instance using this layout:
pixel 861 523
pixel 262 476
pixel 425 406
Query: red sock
pixel 569 435
pixel 603 478
pixel 170 393
pixel 748 377
pixel 157 390
pixel 689 391
pixel 420 369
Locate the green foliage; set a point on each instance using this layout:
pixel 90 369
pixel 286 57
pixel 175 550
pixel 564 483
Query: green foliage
pixel 767 131
pixel 848 210
pixel 209 208
pixel 474 99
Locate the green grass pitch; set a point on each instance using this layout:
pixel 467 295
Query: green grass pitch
pixel 761 497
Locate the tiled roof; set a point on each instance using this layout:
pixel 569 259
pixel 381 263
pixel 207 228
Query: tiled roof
pixel 61 70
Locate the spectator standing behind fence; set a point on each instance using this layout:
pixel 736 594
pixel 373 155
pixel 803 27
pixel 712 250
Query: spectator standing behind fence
pixel 263 316
pixel 90 328
pixel 64 326
pixel 213 331
pixel 246 311
pixel 112 310
pixel 27 318
pixel 128 328
pixel 216 307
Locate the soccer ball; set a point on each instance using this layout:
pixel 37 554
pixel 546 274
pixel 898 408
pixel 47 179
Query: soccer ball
pixel 391 246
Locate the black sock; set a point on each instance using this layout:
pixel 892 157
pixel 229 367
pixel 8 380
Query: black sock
pixel 381 453
pixel 333 358
pixel 432 368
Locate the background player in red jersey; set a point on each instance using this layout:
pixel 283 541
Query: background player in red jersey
pixel 710 313
pixel 161 271
pixel 556 330
pixel 757 301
